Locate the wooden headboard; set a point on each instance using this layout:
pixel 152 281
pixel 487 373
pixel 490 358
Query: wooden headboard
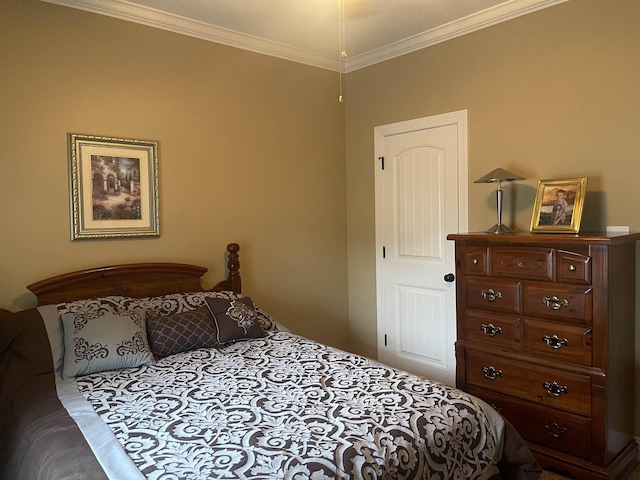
pixel 134 280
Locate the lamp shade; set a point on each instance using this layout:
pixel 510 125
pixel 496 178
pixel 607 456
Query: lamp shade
pixel 498 175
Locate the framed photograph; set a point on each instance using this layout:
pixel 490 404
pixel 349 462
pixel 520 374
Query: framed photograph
pixel 113 186
pixel 558 205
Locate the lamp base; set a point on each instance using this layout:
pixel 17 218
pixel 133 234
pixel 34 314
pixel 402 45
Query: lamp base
pixel 499 228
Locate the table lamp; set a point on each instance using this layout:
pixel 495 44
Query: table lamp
pixel 498 176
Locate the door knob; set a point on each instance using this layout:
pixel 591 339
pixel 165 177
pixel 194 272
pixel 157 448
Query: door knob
pixel 449 277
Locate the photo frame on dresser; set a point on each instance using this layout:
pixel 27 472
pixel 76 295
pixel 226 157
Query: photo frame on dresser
pixel 558 205
pixel 113 185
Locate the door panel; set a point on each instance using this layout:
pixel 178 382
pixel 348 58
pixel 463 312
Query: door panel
pixel 419 192
pixel 421 314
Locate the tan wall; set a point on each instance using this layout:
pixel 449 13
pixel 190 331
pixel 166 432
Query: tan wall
pixel 553 94
pixel 251 150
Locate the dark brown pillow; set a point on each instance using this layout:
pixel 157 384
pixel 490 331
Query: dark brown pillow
pixel 181 332
pixel 234 319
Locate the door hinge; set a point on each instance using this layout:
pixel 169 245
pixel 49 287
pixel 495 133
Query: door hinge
pixel 384 252
pixel 385 339
pixel 381 162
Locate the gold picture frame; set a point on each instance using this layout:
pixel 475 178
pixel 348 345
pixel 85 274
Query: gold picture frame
pixel 113 186
pixel 558 205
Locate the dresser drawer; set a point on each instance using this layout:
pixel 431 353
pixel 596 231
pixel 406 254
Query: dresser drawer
pixel 522 262
pixel 573 267
pixel 559 302
pixel 567 343
pixel 493 329
pixel 567 391
pixel 476 261
pixel 551 428
pixel 494 294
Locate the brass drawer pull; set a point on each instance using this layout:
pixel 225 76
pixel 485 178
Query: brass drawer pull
pixel 555 430
pixel 554 303
pixel 555 389
pixel 490 295
pixel 475 261
pixel 572 268
pixel 490 330
pixel 491 372
pixel 555 342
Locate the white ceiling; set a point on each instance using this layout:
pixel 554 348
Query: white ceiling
pixel 307 31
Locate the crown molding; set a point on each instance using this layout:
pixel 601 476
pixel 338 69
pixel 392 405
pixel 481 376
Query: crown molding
pixel 457 28
pixel 151 17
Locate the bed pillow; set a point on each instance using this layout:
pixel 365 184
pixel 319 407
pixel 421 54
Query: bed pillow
pixel 160 305
pixel 178 302
pixel 100 341
pixel 234 319
pixel 181 332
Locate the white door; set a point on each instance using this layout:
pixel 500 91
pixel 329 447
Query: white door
pixel 421 196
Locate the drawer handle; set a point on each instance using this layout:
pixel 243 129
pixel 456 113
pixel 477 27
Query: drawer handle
pixel 490 330
pixel 490 295
pixel 491 372
pixel 555 389
pixel 475 261
pixel 554 303
pixel 555 430
pixel 572 268
pixel 555 342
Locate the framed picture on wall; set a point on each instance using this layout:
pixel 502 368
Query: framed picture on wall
pixel 558 205
pixel 113 187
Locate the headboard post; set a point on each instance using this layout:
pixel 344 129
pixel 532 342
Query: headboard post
pixel 233 264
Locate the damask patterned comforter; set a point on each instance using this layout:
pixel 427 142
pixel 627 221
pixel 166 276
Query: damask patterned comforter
pixel 278 407
pixel 287 407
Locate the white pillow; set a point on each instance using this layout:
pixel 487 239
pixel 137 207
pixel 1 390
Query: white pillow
pixel 99 341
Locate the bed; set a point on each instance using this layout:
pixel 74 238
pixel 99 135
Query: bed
pixel 137 371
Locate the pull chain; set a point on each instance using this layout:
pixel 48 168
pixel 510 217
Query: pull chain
pixel 341 41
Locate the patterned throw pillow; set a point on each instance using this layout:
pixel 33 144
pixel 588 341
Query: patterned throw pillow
pixel 99 341
pixel 181 332
pixel 234 319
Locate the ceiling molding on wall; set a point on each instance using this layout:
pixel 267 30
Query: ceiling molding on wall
pixel 124 10
pixel 463 26
pixel 185 26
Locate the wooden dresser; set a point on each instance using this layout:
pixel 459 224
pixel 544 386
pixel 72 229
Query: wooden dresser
pixel 546 334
